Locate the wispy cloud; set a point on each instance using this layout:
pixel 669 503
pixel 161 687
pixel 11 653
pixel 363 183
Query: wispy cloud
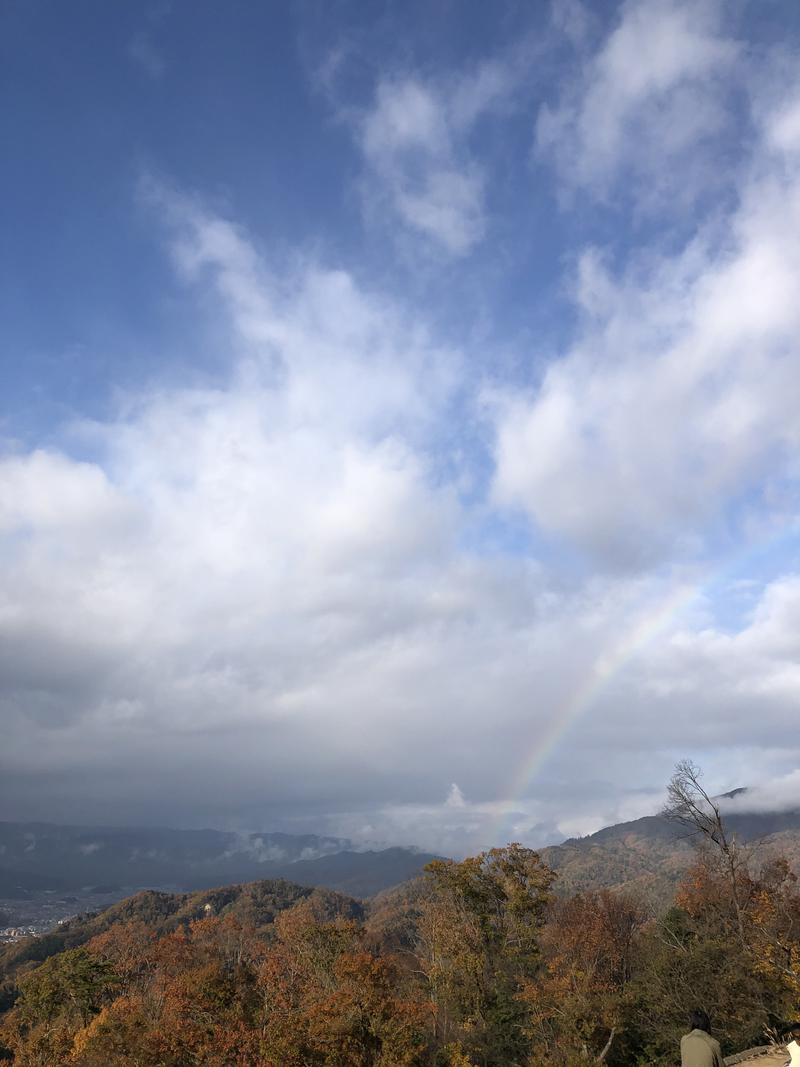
pixel 415 140
pixel 144 47
pixel 642 107
pixel 147 57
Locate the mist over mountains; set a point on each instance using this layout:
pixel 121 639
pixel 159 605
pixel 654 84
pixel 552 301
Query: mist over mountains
pixel 36 856
pixel 649 853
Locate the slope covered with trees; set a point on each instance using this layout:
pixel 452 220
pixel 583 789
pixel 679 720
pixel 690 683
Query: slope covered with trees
pixel 650 856
pixel 479 963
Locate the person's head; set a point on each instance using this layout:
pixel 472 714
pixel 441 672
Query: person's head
pixel 699 1020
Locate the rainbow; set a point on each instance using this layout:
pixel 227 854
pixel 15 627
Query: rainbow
pixel 609 664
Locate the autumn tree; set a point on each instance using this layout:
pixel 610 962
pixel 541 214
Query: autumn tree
pixel 479 928
pixel 577 1000
pixel 327 1000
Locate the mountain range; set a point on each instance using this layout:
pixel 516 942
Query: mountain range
pixel 648 855
pixel 44 856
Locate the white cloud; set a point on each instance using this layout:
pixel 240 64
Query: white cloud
pixel 644 103
pixel 415 143
pixel 783 128
pixel 756 666
pixel 47 491
pixel 257 598
pixel 455 798
pixel 781 793
pixel 676 403
pixel 447 829
pixel 262 581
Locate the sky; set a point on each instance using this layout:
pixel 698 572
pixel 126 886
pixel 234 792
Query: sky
pixel 398 424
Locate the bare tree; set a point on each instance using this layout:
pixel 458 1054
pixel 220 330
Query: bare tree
pixel 689 805
pixel 607 1047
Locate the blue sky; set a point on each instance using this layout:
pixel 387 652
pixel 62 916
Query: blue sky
pixel 376 379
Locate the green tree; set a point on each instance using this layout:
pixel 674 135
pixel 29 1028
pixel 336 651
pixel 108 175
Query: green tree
pixel 479 928
pixel 73 984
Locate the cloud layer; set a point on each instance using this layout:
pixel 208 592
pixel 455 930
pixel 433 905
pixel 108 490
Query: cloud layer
pixel 368 581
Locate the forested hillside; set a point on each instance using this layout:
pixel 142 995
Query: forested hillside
pixel 256 904
pixel 651 855
pixel 477 963
pixel 595 951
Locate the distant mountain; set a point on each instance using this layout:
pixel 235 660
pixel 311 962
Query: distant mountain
pixel 37 856
pixel 361 874
pixel 651 854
